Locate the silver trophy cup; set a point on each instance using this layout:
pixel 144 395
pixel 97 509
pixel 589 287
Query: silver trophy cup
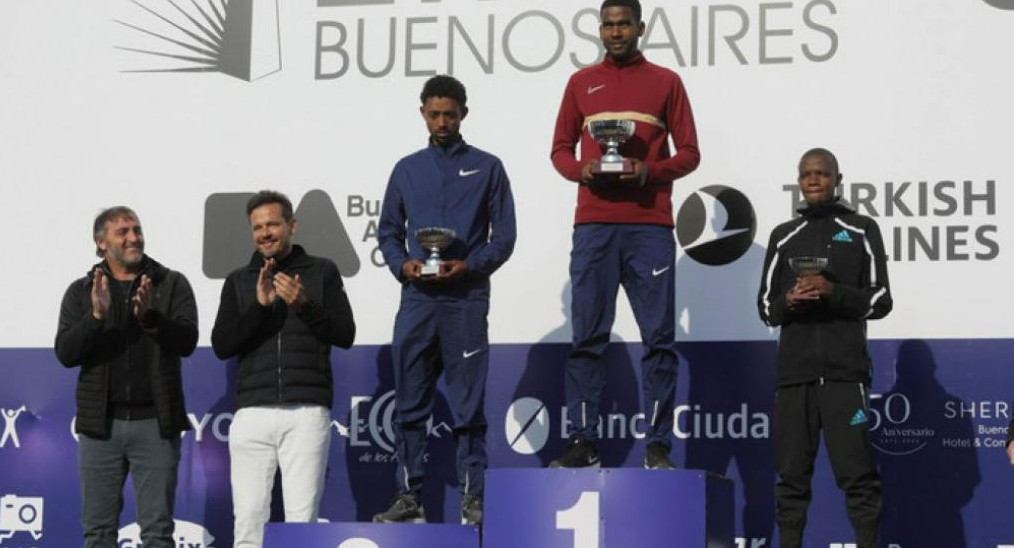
pixel 435 239
pixel 610 134
pixel 804 266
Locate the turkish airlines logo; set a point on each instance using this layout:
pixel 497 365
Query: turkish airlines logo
pixel 716 225
pixel 240 38
pixel 1001 4
pixel 10 432
pixel 228 242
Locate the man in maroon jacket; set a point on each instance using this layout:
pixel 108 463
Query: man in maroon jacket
pixel 623 227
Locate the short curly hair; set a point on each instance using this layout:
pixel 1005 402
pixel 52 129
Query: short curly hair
pixel 443 85
pixel 634 5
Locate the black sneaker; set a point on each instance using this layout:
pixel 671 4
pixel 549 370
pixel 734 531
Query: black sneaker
pixel 471 510
pixel 580 453
pixel 656 457
pixel 405 508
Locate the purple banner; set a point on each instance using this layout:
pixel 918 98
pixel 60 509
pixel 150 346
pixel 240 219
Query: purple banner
pixel 940 413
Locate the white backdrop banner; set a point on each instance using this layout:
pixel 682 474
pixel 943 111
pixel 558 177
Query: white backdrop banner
pixel 180 108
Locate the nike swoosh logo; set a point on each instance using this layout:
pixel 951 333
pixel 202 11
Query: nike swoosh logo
pixel 466 354
pixel 658 272
pixel 463 173
pixel 592 89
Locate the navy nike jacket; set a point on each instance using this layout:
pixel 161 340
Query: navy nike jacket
pixel 462 188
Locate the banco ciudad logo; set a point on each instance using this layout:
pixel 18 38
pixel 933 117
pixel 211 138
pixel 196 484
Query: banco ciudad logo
pixel 228 241
pixel 716 225
pixel 240 38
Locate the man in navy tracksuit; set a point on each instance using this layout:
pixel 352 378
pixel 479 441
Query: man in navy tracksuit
pixel 824 368
pixel 441 323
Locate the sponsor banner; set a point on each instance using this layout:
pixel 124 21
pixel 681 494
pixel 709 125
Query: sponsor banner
pixel 371 535
pixel 185 533
pixel 938 426
pixel 182 109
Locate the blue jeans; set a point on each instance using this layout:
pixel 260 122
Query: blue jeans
pixel 134 447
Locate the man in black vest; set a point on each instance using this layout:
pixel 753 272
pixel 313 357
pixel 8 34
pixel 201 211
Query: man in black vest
pixel 280 315
pixel 126 324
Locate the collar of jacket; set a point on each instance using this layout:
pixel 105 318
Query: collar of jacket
pixel 636 59
pixel 457 147
pixel 296 257
pixel 823 209
pixel 149 266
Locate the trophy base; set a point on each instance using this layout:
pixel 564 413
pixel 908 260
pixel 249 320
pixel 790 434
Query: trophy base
pixel 429 270
pixel 623 167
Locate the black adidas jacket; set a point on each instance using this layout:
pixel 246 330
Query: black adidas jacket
pixel 284 355
pixel 826 341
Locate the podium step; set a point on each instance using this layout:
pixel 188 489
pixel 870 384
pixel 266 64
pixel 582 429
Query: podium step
pixel 370 535
pixel 607 508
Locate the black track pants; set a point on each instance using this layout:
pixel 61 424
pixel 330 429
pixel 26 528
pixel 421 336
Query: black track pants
pixel 841 410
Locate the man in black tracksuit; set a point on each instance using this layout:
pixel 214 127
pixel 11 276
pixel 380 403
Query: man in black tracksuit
pixel 280 315
pixel 824 369
pixel 127 324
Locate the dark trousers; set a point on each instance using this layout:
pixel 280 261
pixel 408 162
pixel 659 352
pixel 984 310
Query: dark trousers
pixel 135 447
pixel 841 410
pixel 432 338
pixel 641 258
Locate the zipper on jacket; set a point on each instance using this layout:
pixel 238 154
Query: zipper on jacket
pixel 279 360
pixel 827 222
pixel 126 340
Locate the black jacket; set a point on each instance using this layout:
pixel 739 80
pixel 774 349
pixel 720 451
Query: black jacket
pixel 101 347
pixel 827 340
pixel 284 355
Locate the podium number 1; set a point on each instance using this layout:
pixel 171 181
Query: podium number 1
pixel 583 519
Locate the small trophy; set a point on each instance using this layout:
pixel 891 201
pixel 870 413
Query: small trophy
pixel 808 266
pixel 435 239
pixel 611 134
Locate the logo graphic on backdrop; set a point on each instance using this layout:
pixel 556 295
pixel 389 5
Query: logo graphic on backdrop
pixel 933 221
pixel 10 433
pixel 189 534
pixel 527 426
pixel 395 37
pixel 358 543
pixel 240 38
pixel 20 514
pixel 371 426
pixel 892 427
pixel 228 243
pixel 1001 4
pixel 716 225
